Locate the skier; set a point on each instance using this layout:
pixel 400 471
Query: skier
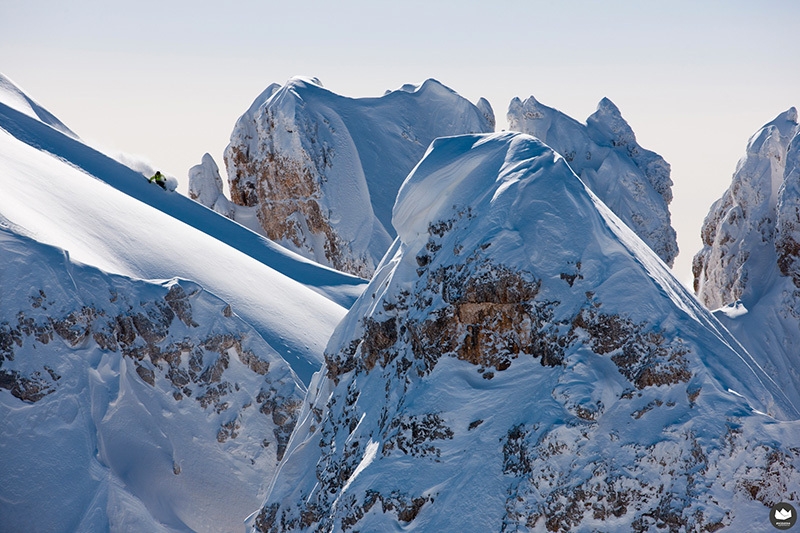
pixel 159 178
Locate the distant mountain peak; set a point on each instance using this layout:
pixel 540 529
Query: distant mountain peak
pixel 321 170
pixel 634 182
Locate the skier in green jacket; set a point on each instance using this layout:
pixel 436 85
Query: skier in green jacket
pixel 159 178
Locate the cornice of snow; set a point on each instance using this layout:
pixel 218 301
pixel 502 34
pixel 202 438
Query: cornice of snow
pixel 14 97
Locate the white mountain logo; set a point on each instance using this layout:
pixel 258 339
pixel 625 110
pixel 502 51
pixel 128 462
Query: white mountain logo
pixel 783 515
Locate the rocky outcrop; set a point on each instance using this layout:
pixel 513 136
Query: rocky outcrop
pixel 748 269
pixel 174 389
pixel 323 170
pixel 787 220
pixel 205 187
pixel 739 233
pixel 634 182
pixel 521 361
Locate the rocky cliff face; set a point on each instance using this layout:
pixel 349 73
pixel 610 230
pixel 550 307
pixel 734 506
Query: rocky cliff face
pixel 521 361
pixel 322 170
pixel 205 187
pixel 131 405
pixel 740 229
pixel 748 267
pixel 634 182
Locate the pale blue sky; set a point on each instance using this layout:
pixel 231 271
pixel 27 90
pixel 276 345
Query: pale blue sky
pixel 168 79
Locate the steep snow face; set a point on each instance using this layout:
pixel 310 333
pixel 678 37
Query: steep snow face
pixel 634 182
pixel 15 98
pixel 323 170
pixel 522 361
pixel 748 267
pixel 129 405
pixel 63 193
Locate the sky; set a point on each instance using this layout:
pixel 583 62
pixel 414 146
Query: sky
pixel 166 80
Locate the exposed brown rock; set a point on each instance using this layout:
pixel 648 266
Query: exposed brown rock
pixel 644 357
pixel 29 388
pixel 414 435
pixel 178 301
pixel 287 195
pixel 194 368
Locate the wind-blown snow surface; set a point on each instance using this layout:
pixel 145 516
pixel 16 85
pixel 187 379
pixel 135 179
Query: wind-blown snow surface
pixel 12 96
pixel 323 170
pixel 750 256
pixel 129 405
pixel 522 361
pixel 61 192
pixel 632 181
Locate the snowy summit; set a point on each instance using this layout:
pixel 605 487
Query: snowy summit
pixel 632 181
pixel 521 360
pixel 323 170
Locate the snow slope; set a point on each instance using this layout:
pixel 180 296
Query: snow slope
pixel 632 181
pixel 323 170
pixel 747 268
pixel 64 193
pixel 12 96
pixel 130 405
pixel 521 361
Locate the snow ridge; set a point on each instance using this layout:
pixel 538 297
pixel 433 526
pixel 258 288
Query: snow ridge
pixel 14 97
pixel 634 182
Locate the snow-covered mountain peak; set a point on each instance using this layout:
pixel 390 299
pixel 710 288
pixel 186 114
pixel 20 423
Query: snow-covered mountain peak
pixel 751 255
pixel 608 124
pixel 634 182
pixel 298 81
pixel 321 170
pixel 438 184
pixel 739 232
pixel 488 112
pixel 429 85
pixel 785 122
pixel 206 188
pixel 262 98
pixel 773 138
pixel 519 334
